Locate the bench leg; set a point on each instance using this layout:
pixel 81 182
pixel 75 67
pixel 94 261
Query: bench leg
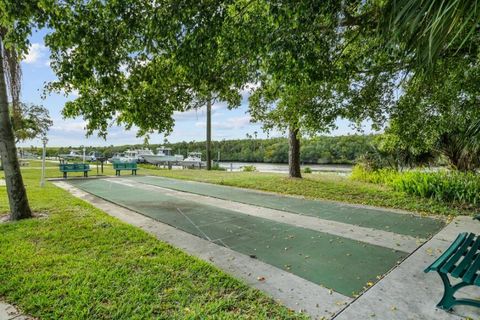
pixel 448 299
pixel 64 175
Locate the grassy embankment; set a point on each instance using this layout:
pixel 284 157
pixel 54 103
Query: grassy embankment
pixel 80 263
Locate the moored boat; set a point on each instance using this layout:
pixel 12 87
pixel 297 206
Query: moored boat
pixel 163 156
pixel 193 160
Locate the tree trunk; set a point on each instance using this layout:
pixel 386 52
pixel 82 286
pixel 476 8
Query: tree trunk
pixel 209 134
pixel 293 154
pixel 17 196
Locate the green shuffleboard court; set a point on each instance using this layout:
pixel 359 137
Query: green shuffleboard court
pixel 406 224
pixel 341 264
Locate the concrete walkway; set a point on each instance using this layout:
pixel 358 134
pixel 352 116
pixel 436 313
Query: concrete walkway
pixel 404 293
pixel 9 312
pixel 409 293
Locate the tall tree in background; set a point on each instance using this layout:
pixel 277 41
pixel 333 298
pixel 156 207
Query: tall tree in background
pixel 32 122
pixel 317 69
pixel 296 110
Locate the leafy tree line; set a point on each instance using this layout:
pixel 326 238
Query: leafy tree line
pixel 322 149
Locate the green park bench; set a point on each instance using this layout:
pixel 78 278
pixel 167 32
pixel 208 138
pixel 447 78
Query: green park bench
pixel 460 261
pixel 74 167
pixel 119 166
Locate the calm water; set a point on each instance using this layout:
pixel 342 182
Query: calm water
pixel 283 167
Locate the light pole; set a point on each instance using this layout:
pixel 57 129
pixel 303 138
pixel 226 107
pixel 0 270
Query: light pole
pixel 44 154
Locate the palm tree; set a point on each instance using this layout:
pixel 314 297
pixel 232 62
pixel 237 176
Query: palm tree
pixel 429 28
pixel 17 195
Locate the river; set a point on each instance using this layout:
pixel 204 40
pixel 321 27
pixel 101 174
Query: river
pixel 283 167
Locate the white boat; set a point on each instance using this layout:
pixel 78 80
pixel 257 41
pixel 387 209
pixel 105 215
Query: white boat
pixel 119 157
pixel 194 159
pixel 74 154
pixel 138 155
pixel 94 156
pixel 163 156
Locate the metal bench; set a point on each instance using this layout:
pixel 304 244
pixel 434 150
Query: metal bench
pixel 119 166
pixel 460 261
pixel 74 167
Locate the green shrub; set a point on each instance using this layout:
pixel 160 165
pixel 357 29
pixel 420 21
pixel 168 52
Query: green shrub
pixel 380 176
pixel 307 170
pixel 216 166
pixel 446 186
pixel 249 168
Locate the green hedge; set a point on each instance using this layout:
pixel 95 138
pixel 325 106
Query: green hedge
pixel 445 186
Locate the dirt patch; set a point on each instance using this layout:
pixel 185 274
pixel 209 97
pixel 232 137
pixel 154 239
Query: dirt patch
pixel 9 311
pixel 36 215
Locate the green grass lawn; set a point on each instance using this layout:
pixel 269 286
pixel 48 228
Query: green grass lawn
pixel 80 263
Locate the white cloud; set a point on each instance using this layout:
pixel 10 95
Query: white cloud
pixel 195 114
pixel 70 95
pixel 248 89
pixel 35 53
pixel 233 123
pixel 74 93
pixel 70 126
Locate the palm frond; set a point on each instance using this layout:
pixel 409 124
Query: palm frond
pixel 429 27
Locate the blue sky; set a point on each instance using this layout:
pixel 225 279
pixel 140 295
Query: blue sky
pixel 189 126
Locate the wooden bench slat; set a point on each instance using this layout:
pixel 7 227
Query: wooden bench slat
pixel 74 167
pixel 469 276
pixel 437 264
pixel 461 251
pixel 467 260
pixel 477 279
pixel 126 166
pixel 119 166
pixel 462 261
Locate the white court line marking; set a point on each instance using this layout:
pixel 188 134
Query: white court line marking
pixel 381 238
pixel 293 291
pixel 196 227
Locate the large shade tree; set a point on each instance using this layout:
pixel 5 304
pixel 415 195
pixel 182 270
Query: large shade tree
pixel 134 64
pixel 319 68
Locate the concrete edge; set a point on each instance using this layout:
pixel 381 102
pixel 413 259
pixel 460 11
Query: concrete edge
pixel 406 292
pixel 294 292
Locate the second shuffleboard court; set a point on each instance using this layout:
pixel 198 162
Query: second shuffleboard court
pixel 405 224
pixel 341 264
